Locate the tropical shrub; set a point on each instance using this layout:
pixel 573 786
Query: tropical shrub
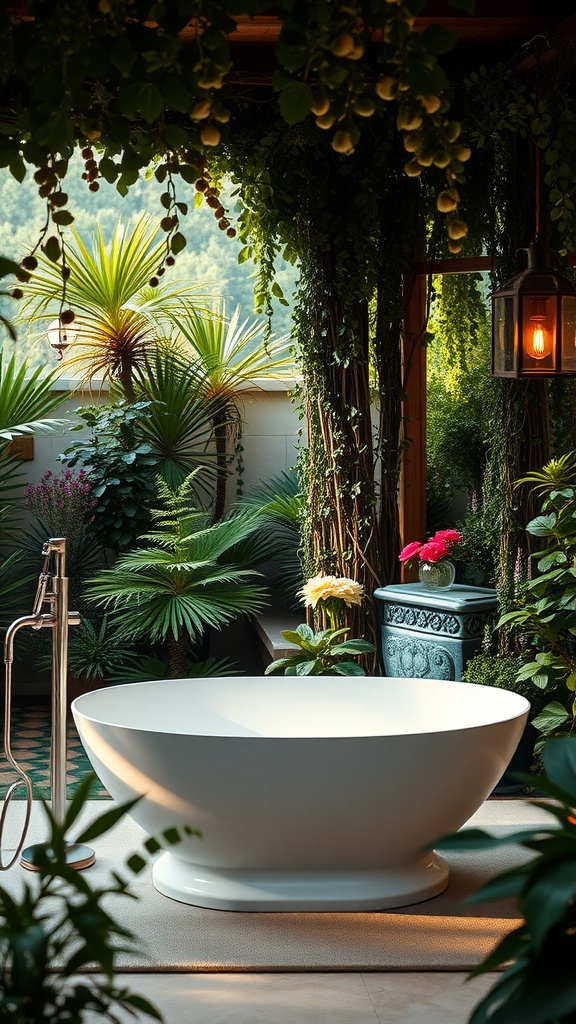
pixel 108 288
pixel 281 502
pixel 26 400
pixel 121 469
pixel 229 353
pixel 187 575
pixel 178 424
pixel 325 652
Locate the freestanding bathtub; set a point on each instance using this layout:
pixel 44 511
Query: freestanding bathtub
pixel 315 793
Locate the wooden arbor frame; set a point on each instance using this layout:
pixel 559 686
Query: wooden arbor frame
pixel 413 469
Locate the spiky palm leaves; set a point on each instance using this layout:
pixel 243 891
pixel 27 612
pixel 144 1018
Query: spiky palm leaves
pixel 189 575
pixel 108 289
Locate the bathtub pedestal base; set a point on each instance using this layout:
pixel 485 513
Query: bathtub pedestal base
pixel 328 891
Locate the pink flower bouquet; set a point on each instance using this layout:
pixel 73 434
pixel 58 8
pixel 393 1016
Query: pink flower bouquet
pixel 439 547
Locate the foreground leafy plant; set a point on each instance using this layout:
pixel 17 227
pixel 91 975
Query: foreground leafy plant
pixel 538 987
pixel 57 928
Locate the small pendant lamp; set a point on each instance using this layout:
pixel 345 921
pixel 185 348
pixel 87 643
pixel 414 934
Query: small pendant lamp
pixel 60 337
pixel 534 318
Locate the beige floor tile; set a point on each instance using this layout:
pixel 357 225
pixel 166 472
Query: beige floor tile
pixel 256 998
pixel 425 998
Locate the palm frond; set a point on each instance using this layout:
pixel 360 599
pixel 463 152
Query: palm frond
pixel 232 352
pixel 26 397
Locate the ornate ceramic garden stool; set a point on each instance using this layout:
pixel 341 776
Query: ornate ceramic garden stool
pixel 426 633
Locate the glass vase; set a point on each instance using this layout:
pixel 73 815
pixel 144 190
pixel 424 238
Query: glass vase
pixel 437 575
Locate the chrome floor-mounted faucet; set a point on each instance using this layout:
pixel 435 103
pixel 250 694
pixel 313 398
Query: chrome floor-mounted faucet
pixel 51 592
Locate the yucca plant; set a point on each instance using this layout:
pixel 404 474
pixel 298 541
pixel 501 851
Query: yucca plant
pixel 229 352
pixel 109 291
pixel 187 576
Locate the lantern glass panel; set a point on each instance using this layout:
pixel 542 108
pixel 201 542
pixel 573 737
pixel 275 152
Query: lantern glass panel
pixel 569 332
pixel 504 328
pixel 538 332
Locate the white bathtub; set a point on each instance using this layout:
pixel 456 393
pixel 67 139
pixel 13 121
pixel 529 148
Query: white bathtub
pixel 314 793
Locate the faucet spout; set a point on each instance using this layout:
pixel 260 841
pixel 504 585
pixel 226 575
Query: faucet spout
pixel 36 621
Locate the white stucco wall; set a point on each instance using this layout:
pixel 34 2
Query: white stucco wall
pixel 271 432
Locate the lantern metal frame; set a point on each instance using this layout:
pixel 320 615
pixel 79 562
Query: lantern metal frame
pixel 539 286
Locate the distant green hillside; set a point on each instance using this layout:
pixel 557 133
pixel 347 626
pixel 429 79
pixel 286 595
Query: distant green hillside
pixel 210 257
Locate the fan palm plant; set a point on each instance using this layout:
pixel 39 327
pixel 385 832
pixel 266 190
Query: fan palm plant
pixel 109 291
pixel 229 353
pixel 189 575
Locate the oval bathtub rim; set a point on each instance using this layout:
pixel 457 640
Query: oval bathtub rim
pixel 133 727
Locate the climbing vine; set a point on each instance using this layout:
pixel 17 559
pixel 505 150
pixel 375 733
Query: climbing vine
pixel 135 82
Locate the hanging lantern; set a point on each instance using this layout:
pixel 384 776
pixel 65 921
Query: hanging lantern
pixel 534 322
pixel 60 336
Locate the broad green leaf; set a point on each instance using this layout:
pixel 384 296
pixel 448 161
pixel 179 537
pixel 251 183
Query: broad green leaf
pixel 295 102
pixel 542 526
pixel 306 668
pixel 438 38
pixel 554 558
pixel 552 717
pixel 509 883
pixel 560 764
pixel 354 647
pixel 348 668
pixel 546 900
pixel 295 636
pixel 478 839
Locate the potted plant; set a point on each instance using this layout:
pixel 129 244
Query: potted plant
pixel 325 652
pixel 435 569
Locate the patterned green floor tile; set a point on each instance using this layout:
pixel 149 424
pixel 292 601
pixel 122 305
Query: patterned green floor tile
pixel 30 742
